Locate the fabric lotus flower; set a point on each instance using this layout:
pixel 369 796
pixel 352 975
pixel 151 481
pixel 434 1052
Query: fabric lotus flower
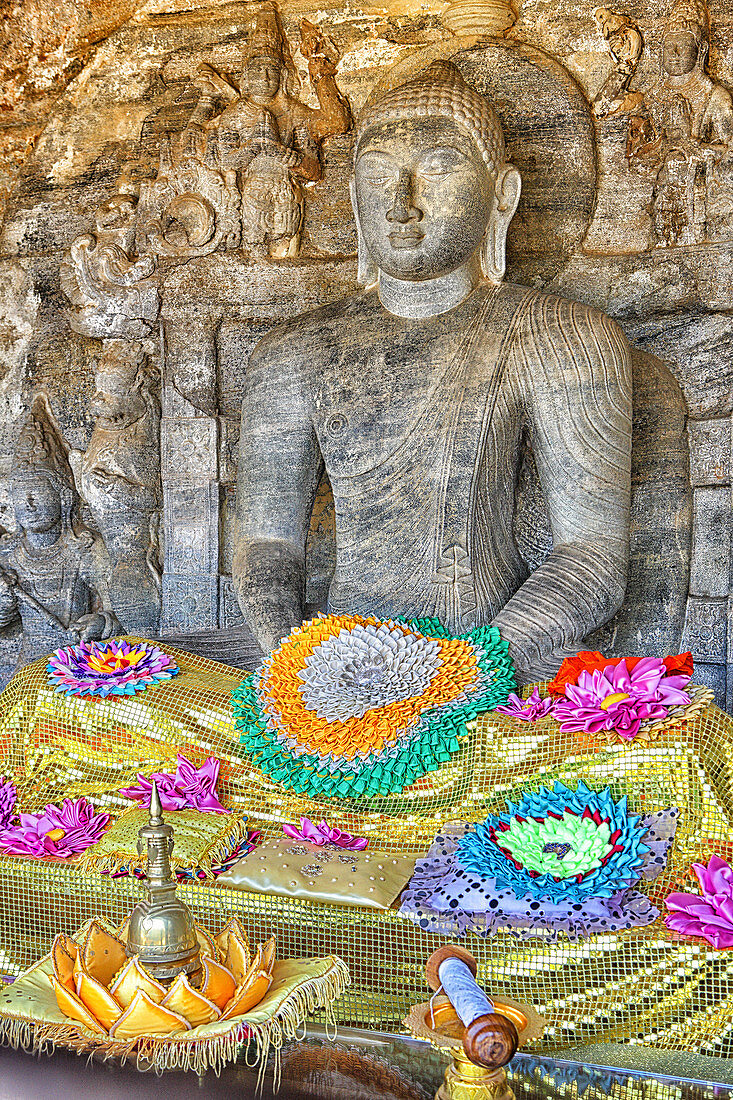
pixel 191 788
pixel 709 914
pixel 618 699
pixel 352 706
pixel 56 832
pixel 527 710
pixel 111 667
pixel 8 795
pixel 322 833
pixel 591 660
pixel 96 985
pixel 559 844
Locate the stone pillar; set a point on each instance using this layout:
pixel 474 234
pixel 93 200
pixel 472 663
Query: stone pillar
pixel 189 469
pixel 709 608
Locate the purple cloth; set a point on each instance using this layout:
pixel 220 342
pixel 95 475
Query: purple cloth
pixel 530 710
pixel 190 788
pixel 443 897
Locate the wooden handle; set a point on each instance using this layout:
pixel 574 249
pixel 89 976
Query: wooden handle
pixel 491 1041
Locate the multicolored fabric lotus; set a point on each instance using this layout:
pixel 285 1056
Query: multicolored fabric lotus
pixel 111 667
pixel 559 845
pixel 357 707
pixel 443 897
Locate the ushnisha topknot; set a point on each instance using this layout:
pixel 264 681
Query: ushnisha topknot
pixel 441 90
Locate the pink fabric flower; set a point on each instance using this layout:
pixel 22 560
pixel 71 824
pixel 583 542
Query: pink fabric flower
pixel 530 710
pixel 8 796
pixel 57 831
pixel 616 699
pixel 709 915
pixel 190 788
pixel 322 833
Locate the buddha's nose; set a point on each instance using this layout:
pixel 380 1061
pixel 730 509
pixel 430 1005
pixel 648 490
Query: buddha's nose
pixel 402 209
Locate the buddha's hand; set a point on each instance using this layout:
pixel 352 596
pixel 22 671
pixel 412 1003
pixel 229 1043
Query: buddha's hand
pixel 96 625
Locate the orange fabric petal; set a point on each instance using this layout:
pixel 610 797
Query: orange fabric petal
pixel 206 942
pixel 103 954
pixel 218 983
pixel 133 979
pixel 98 1000
pixel 73 1007
pixel 145 1017
pixel 233 943
pixel 189 1003
pixel 248 995
pixel 63 955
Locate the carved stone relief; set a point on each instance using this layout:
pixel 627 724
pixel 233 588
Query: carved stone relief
pixel 119 479
pixel 625 44
pixel 681 135
pixel 54 569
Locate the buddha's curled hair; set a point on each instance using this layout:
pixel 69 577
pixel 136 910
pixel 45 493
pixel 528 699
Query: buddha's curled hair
pixel 440 90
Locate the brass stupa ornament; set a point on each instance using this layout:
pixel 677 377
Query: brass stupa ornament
pixel 161 930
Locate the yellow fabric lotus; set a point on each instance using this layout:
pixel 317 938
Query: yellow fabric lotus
pixel 98 986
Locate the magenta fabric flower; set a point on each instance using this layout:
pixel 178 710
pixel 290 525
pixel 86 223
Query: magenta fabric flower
pixel 530 710
pixel 190 788
pixel 57 831
pixel 112 667
pixel 709 914
pixel 322 833
pixel 616 699
pixel 8 795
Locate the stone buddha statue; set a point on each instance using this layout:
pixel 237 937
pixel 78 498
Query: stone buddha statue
pixel 417 395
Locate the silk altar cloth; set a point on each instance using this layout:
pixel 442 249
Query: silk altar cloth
pixel 645 985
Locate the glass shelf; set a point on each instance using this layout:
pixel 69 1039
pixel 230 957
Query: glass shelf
pixel 362 1065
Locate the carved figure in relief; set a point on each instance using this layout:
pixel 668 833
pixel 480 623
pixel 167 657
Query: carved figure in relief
pixel 119 478
pixel 54 569
pixel 109 286
pixel 683 133
pixel 625 44
pixel 264 141
pixel 416 395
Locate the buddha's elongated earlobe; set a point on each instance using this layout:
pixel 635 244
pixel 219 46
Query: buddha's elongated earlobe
pixel 367 272
pixel 493 247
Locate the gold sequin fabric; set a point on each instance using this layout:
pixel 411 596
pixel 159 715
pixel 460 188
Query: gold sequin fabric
pixel 644 985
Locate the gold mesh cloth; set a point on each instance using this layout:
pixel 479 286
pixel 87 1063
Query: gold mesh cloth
pixel 640 984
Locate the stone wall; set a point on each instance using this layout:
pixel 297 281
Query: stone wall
pixel 137 273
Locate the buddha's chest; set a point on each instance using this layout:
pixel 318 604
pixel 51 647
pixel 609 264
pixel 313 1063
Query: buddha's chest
pixel 386 397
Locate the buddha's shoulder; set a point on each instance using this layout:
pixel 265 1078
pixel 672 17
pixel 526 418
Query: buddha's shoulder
pixel 554 319
pixel 314 333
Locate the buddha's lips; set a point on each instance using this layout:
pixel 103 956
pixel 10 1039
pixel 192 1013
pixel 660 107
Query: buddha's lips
pixel 405 238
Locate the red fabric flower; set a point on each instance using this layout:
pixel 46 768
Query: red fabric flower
pixel 588 660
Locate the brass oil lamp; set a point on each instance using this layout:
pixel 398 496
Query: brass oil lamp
pixel 161 930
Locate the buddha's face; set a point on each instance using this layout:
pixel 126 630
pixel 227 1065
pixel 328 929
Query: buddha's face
pixel 423 196
pixel 263 77
pixel 679 53
pixel 37 504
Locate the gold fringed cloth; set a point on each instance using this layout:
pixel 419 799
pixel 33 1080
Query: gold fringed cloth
pixel 31 1019
pixel 643 985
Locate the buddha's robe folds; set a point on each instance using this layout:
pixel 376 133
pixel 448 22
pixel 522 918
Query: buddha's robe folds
pixel 425 497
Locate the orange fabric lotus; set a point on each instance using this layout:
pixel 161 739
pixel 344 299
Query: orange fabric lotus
pixel 378 728
pixel 125 1002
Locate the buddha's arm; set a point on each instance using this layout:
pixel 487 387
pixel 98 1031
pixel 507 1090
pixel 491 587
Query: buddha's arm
pixel 279 469
pixel 577 392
